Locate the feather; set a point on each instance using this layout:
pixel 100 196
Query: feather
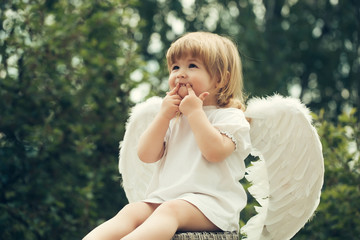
pixel 136 175
pixel 291 164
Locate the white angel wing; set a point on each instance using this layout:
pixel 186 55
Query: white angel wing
pixel 136 175
pixel 287 179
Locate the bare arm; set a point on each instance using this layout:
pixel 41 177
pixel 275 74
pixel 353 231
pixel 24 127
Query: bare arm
pixel 151 143
pixel 214 146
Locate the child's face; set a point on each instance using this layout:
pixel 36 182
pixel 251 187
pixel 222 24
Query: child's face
pixel 192 70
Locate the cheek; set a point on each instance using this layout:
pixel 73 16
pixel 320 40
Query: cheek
pixel 171 82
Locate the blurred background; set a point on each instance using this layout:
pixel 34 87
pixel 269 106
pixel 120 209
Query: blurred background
pixel 70 70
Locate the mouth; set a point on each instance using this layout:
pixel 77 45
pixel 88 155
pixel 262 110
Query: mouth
pixel 183 91
pixel 184 84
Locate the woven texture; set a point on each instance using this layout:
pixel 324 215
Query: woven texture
pixel 206 236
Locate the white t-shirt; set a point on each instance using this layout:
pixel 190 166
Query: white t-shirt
pixel 184 173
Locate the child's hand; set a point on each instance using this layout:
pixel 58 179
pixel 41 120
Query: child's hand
pixel 191 102
pixel 170 104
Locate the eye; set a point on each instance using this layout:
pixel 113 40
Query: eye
pixel 175 67
pixel 192 65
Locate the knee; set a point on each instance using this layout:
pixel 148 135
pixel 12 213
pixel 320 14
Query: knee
pixel 88 237
pixel 130 207
pixel 131 212
pixel 172 207
pixel 136 213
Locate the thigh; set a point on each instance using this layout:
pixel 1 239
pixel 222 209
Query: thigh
pixel 124 222
pixel 189 217
pixel 135 213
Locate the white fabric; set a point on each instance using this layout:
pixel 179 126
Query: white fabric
pixel 214 188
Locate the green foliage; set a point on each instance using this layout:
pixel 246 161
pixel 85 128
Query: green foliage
pixel 308 49
pixel 64 90
pixel 338 215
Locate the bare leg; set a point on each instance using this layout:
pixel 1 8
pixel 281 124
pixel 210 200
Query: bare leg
pixel 129 218
pixel 168 218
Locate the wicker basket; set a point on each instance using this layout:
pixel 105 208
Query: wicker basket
pixel 206 236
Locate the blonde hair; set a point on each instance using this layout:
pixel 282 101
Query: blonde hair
pixel 221 59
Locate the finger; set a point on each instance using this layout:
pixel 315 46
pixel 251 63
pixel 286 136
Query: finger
pixel 203 95
pixel 175 97
pixel 174 90
pixel 177 102
pixel 190 90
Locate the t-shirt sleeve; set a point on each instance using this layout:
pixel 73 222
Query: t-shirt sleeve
pixel 232 123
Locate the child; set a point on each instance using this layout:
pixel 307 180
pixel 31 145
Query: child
pixel 201 137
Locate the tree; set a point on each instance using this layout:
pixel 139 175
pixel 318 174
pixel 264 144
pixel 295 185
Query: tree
pixel 64 89
pixel 308 49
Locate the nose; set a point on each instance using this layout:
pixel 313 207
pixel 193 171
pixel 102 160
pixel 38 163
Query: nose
pixel 181 74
